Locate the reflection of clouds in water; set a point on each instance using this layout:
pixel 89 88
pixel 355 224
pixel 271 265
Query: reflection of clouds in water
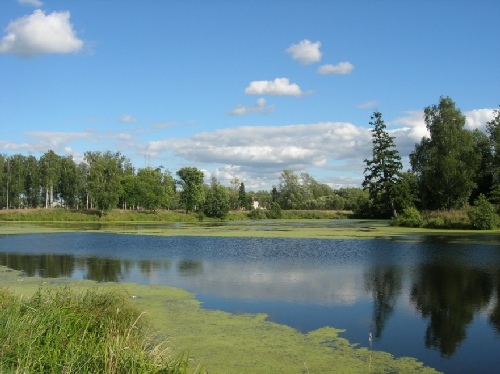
pixel 323 286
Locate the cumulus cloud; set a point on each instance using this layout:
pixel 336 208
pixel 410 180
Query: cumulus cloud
pixel 476 119
pixel 305 52
pixel 41 141
pixel 344 67
pixel 39 33
pixel 415 128
pixel 271 149
pixel 259 107
pixel 277 87
pixel 128 118
pixel 36 3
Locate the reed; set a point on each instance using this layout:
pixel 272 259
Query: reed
pixel 62 331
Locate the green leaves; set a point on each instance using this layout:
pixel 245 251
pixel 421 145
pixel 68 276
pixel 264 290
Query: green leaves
pixel 382 171
pixel 445 163
pixel 191 182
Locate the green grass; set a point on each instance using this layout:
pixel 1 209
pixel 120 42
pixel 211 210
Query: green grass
pixel 58 330
pixel 118 215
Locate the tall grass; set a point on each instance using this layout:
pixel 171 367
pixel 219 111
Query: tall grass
pixel 437 219
pixel 62 331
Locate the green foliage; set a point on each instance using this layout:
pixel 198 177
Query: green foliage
pixel 313 214
pixel 352 196
pixel 49 173
pixel 242 197
pixel 493 130
pixel 382 171
pixel 62 331
pixel 274 212
pixel 290 193
pixel 445 163
pixel 191 182
pixel 443 219
pixel 69 182
pixel 483 178
pixel 216 201
pixel 409 218
pixel 257 214
pixel 482 216
pixel 104 178
pixel 154 189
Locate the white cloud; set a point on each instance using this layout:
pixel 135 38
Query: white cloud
pixel 344 67
pixel 39 33
pixel 36 3
pixel 476 119
pixel 128 118
pixel 279 86
pixel 414 124
pixel 368 105
pixel 45 140
pixel 305 52
pixel 263 152
pixel 259 107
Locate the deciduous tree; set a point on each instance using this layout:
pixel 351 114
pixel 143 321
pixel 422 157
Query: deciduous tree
pixel 191 182
pixel 104 178
pixel 445 163
pixel 216 201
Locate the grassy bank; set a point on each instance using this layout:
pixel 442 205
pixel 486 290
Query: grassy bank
pixel 58 330
pixel 221 342
pixel 117 215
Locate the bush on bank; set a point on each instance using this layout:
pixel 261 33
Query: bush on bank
pixel 481 216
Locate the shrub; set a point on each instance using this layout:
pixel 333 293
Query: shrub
pixel 435 223
pixel 482 216
pixel 257 214
pixel 274 212
pixel 409 218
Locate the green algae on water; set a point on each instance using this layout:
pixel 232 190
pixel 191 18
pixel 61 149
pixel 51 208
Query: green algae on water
pixel 222 342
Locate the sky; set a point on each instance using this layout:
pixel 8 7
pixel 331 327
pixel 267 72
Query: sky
pixel 240 89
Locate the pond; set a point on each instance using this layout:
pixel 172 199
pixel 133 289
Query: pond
pixel 433 298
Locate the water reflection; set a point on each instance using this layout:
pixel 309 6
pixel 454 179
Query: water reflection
pixel 43 265
pixel 384 282
pixel 433 291
pixel 449 295
pixel 495 313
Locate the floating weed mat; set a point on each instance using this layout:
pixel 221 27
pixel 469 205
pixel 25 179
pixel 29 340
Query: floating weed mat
pixel 63 331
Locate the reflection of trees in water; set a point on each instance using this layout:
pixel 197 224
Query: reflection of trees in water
pixel 449 295
pixel 495 313
pixel 190 267
pixel 384 282
pixel 104 269
pixel 94 268
pixel 147 266
pixel 44 265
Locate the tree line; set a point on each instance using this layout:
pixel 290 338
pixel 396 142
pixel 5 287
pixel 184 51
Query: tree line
pixel 108 180
pixel 451 168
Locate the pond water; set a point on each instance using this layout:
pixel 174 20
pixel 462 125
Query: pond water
pixel 433 298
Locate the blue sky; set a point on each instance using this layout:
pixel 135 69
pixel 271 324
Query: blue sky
pixel 240 88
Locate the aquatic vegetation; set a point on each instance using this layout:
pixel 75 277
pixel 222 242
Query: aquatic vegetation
pixel 218 341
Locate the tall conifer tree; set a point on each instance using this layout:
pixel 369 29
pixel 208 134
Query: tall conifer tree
pixel 383 170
